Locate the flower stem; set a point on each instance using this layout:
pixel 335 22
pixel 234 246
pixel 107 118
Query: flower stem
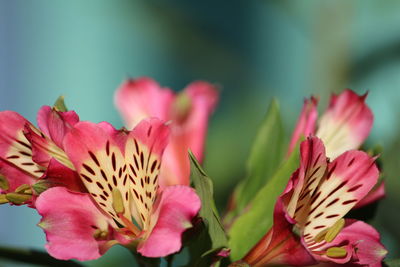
pixel 170 260
pixel 34 257
pixel 146 262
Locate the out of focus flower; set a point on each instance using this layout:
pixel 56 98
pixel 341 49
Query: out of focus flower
pixel 308 217
pixel 123 203
pixel 188 112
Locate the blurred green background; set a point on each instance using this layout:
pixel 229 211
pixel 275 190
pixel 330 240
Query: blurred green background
pixel 253 49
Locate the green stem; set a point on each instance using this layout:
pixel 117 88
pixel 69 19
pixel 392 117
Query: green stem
pixel 170 260
pixel 34 257
pixel 146 262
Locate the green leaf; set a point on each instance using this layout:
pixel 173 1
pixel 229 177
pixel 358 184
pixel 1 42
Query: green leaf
pixel 251 226
pixel 265 156
pixel 60 104
pixel 198 245
pixel 204 188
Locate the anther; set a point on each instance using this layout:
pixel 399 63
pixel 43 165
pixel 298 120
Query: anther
pixel 336 252
pixel 117 202
pixel 334 230
pixel 100 234
pixel 23 188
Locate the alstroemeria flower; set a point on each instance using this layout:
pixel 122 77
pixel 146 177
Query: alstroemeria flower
pixel 123 205
pixel 28 154
pixel 188 112
pixel 344 126
pixel 317 197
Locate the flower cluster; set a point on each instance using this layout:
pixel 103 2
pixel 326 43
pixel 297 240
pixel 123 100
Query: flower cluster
pixel 333 178
pixel 95 186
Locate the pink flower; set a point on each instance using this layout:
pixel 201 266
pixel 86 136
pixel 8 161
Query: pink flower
pixel 188 112
pixel 29 155
pixel 308 215
pixel 344 126
pixel 123 203
pixel 306 122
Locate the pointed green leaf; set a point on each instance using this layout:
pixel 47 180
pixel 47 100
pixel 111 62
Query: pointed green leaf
pixel 251 226
pixel 60 104
pixel 265 156
pixel 204 188
pixel 197 245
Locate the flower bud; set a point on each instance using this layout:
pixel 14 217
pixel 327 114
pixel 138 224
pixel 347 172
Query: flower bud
pixel 18 198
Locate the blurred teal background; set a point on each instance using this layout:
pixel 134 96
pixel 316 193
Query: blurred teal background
pixel 253 49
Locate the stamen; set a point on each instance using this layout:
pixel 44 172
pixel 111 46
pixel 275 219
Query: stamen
pixel 334 230
pixel 22 188
pixel 118 203
pixel 28 191
pixel 129 225
pixel 320 236
pixel 100 234
pixel 336 252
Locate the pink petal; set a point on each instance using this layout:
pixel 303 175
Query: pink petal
pixel 15 178
pixel 346 123
pixel 377 193
pixel 204 98
pixel 306 123
pixel 88 136
pixel 142 98
pixel 313 165
pixel 362 243
pixel 152 133
pixel 107 159
pixel 143 152
pixel 280 246
pixel 188 131
pixel 70 221
pixel 44 149
pixel 55 124
pixel 357 170
pixel 176 207
pixel 59 175
pixel 15 152
pixel 41 146
pixel 97 152
pixel 349 178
